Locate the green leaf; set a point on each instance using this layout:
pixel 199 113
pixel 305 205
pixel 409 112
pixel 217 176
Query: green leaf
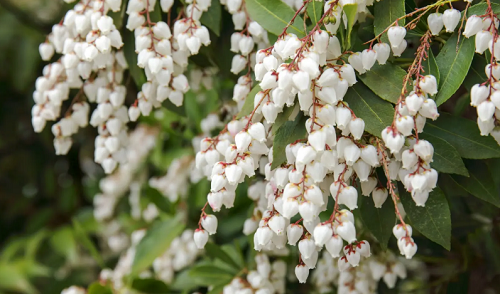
pixel 283 117
pixel 431 67
pixel 453 66
pixel 215 251
pixel 63 241
pixel 289 132
pixel 385 13
pixel 158 199
pixel 476 73
pixel 11 278
pixel 212 17
pixel 274 15
pixel 207 275
pixel 155 242
pixel 314 11
pixel 249 102
pixel 464 135
pixel 149 285
pixel 218 289
pixel 433 221
pixel 96 288
pixel 385 80
pixel 136 72
pixel 376 112
pixel 480 182
pixel 446 157
pixel 379 221
pixel 350 11
pixel 85 241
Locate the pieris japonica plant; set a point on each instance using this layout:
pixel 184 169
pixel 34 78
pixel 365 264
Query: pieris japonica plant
pixel 313 136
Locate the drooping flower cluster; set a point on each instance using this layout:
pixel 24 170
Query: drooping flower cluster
pixel 486 96
pixel 89 42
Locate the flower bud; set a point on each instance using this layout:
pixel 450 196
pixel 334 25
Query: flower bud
pixel 409 159
pixel 302 272
pixel 200 237
pixel 250 226
pixel 485 110
pixel 347 231
pixel 277 224
pixel 396 35
pixel 351 154
pixel 473 26
pixel 322 234
pixel 306 247
pixel 46 51
pixel 435 23
pixel 393 140
pixel 399 49
pixel 265 234
pixel 356 62
pixel 368 186
pixel 428 84
pixel 478 94
pixel 482 41
pixel 424 150
pixel 290 208
pixel 379 196
pixel 209 223
pixel 347 73
pixel 368 58
pixel 301 81
pixel 451 18
pixel 308 210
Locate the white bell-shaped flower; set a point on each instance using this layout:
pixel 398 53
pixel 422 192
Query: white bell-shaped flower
pixel 396 35
pixel 451 18
pixel 200 237
pixel 473 26
pixel 294 232
pixel 209 223
pixel 435 23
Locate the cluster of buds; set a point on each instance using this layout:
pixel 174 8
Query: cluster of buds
pixel 175 183
pixel 486 96
pixel 89 42
pixel 268 278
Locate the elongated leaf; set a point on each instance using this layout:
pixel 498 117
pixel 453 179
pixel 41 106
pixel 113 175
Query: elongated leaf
pixel 350 11
pixel 480 8
pixel 84 239
pixel 289 132
pixel 464 135
pixel 215 251
pixel 385 80
pixel 158 199
pixel 212 18
pixel 446 157
pixel 283 118
pixel 431 67
pixel 155 242
pixel 63 241
pixel 385 13
pixel 453 66
pixel 249 102
pixel 274 15
pixel 476 73
pixel 376 112
pixel 480 183
pixel 207 275
pixel 433 221
pixel 379 221
pixel 315 11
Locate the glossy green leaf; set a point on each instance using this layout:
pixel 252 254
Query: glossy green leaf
pixel 385 13
pixel 350 11
pixel 315 11
pixel 215 251
pixel 288 133
pixel 155 242
pixel 453 66
pixel 149 285
pixel 207 275
pixel 85 241
pixel 434 220
pixel 430 66
pixel 379 221
pixel 480 182
pixel 249 103
pixel 385 80
pixel 464 135
pixel 376 112
pixel 97 288
pixel 283 117
pixel 212 17
pixel 274 15
pixel 476 74
pixel 446 158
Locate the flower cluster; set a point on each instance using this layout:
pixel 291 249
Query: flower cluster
pixel 486 97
